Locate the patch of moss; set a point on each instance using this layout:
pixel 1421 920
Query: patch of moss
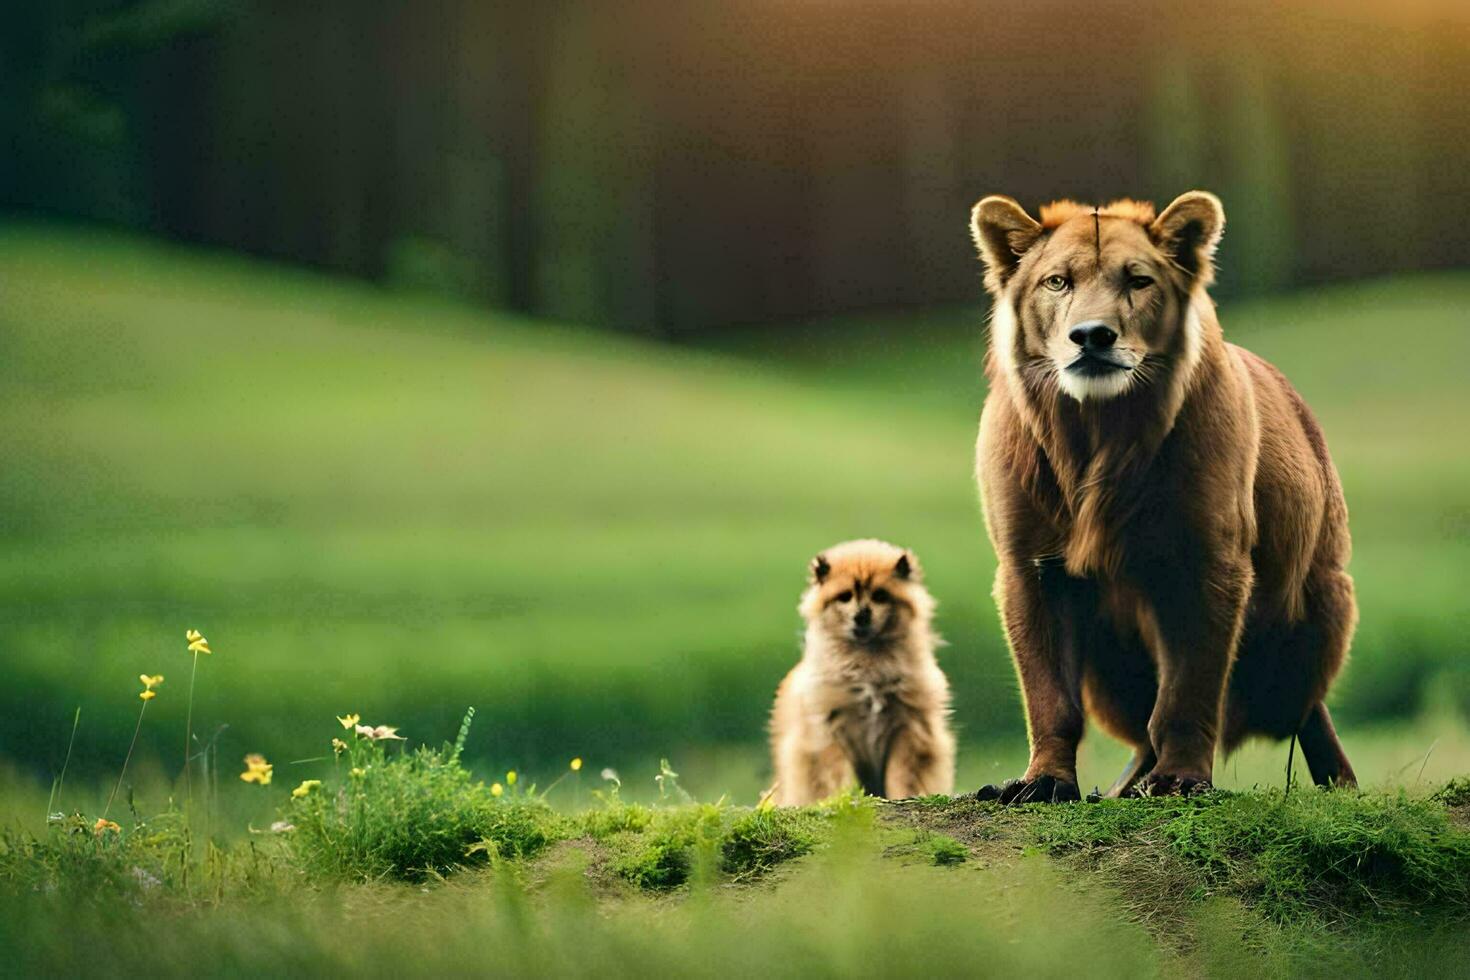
pixel 662 855
pixel 944 850
pixel 615 818
pixel 1455 793
pixel 759 840
pixel 1332 854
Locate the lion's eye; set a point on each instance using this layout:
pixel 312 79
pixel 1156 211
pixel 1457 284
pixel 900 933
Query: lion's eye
pixel 881 596
pixel 1056 283
pixel 845 596
pixel 1139 282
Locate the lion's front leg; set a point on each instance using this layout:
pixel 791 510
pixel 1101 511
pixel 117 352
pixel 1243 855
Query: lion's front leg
pixel 1193 627
pixel 1040 607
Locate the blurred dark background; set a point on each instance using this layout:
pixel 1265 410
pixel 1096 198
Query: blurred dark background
pixel 341 330
pixel 668 167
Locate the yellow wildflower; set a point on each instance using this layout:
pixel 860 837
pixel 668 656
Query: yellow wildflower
pixel 358 772
pixel 257 770
pixel 347 721
pixel 307 785
pixel 496 789
pixel 510 778
pixel 149 683
pixel 338 746
pixel 577 764
pixel 103 825
pixel 197 642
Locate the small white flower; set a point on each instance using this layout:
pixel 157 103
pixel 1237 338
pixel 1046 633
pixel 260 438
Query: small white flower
pixel 379 733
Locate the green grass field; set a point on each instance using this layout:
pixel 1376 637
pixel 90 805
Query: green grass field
pixel 385 504
pixel 382 503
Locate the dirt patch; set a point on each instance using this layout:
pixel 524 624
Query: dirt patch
pixel 990 833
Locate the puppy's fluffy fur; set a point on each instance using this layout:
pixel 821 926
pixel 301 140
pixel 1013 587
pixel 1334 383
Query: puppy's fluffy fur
pixel 867 703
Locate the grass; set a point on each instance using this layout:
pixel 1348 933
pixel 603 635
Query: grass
pixel 412 816
pixel 1334 855
pixel 380 503
pixel 764 838
pixel 386 505
pixel 1357 354
pixel 1308 884
pixel 445 507
pixel 373 842
pixel 825 919
pixel 422 869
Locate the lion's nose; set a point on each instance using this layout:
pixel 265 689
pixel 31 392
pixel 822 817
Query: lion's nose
pixel 1093 335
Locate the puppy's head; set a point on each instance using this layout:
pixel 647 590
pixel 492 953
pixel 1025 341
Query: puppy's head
pixel 1095 299
pixel 867 594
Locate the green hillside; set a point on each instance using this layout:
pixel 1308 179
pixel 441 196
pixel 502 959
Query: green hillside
pixel 380 503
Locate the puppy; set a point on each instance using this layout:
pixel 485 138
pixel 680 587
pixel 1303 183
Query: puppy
pixel 867 703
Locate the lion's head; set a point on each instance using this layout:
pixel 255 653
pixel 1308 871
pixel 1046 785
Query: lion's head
pixel 1096 300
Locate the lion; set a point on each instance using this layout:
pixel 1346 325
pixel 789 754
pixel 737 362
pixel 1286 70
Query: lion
pixel 1171 534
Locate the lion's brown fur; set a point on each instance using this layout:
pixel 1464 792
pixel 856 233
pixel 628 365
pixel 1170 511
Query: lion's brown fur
pixel 1172 544
pixel 873 711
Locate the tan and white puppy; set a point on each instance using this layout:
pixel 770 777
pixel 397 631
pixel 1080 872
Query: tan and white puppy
pixel 868 703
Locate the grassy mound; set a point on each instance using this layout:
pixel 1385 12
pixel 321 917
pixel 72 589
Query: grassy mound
pixel 1326 857
pixel 384 827
pixel 1316 884
pixel 387 814
pixel 1327 854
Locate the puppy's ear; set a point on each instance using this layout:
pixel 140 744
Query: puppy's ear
pixel 906 567
pixel 819 569
pixel 1188 231
pixel 1003 232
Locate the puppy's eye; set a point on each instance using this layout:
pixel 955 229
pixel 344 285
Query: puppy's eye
pixel 1056 283
pixel 881 596
pixel 845 596
pixel 1139 282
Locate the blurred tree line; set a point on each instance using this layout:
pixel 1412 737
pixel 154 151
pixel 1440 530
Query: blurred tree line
pixel 667 166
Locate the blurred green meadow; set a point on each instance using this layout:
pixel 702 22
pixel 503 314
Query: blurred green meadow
pixel 387 503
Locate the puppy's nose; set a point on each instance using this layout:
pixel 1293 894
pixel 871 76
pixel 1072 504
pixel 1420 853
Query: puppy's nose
pixel 864 618
pixel 1093 335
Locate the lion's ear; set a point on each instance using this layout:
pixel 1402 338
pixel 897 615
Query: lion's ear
pixel 1003 232
pixel 1188 231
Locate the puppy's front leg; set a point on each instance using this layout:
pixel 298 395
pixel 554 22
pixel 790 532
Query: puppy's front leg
pixel 921 761
pixel 1039 605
